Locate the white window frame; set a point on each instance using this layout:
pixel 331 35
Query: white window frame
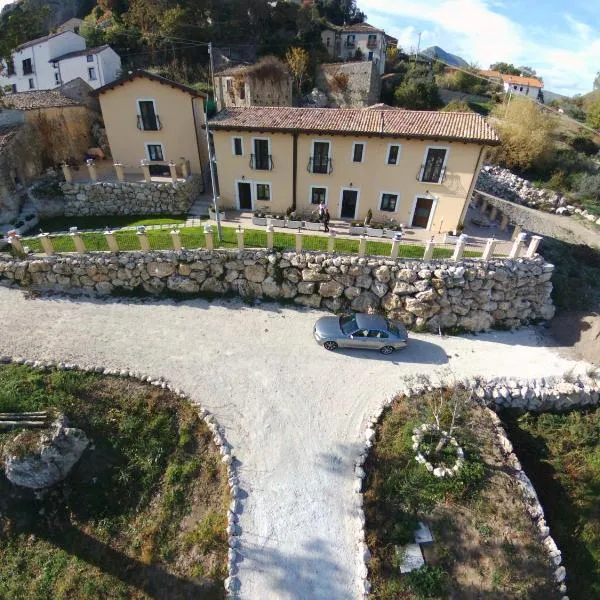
pixel 431 214
pixel 31 83
pixel 254 149
pixel 56 77
pixel 354 144
pixel 387 154
pixel 312 152
pixel 233 138
pixel 310 193
pixel 237 192
pixel 352 189
pixel 137 105
pixel 255 185
pixel 397 194
pixel 162 147
pixel 424 162
pixel 90 71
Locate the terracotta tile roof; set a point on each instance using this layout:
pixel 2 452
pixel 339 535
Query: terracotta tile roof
pixel 516 80
pixel 490 74
pixel 356 28
pixel 39 99
pixel 398 123
pixel 7 133
pixel 83 52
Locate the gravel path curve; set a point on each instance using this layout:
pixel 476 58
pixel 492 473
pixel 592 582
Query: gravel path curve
pixel 293 412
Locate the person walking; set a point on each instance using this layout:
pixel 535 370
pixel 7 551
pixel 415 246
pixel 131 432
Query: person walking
pixel 322 208
pixel 326 218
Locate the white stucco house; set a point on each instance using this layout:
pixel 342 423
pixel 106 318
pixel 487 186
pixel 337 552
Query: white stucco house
pixel 50 61
pixel 342 42
pixel 525 86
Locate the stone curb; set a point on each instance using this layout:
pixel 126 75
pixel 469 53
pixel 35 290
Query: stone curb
pixel 550 394
pixel 232 582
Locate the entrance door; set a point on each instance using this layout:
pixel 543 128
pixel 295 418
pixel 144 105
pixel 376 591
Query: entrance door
pixel 422 212
pixel 349 202
pixel 244 195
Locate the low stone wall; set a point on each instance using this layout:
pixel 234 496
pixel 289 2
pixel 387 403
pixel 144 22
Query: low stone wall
pixel 472 295
pixel 113 198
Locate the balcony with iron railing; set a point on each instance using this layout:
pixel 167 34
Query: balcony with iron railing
pixel 261 162
pixel 426 175
pixel 319 164
pixel 149 124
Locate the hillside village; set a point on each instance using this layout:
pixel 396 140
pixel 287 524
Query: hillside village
pixel 291 311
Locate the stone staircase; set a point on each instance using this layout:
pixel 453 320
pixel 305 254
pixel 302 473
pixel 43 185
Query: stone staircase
pixel 24 420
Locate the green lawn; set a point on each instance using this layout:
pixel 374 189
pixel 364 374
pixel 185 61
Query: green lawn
pixel 193 237
pixel 59 224
pixel 142 515
pixel 561 455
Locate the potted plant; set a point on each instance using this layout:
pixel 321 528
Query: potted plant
pixel 312 221
pixel 259 218
pixel 375 229
pixel 391 229
pixel 292 220
pixel 368 217
pixel 356 228
pixel 277 220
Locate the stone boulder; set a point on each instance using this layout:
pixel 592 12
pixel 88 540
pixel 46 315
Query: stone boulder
pixel 47 461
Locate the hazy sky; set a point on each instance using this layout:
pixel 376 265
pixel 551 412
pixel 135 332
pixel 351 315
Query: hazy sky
pixel 560 39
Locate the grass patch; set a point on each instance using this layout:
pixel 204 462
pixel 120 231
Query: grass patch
pixel 561 454
pixel 119 525
pixel 59 224
pixel 472 515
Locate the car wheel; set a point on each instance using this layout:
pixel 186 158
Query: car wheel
pixel 330 346
pixel 386 350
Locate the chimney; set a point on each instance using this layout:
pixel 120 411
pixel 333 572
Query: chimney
pixel 382 123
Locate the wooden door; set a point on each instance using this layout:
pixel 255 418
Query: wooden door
pixel 349 202
pixel 244 196
pixel 422 212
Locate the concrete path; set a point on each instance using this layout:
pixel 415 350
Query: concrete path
pixel 293 412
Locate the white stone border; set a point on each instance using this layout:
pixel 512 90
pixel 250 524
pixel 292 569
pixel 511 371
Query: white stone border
pixel 232 582
pixel 549 394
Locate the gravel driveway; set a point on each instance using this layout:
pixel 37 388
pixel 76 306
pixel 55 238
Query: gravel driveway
pixel 293 412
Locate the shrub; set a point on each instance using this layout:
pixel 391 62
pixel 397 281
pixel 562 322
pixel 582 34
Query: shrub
pixel 427 582
pixel 457 106
pixel 339 82
pixel 588 186
pixel 417 95
pixel 368 217
pixel 585 144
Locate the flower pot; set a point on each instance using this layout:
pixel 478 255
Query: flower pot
pixel 357 230
pixel 276 222
pixel 373 232
pixel 259 220
pixel 312 226
pixel 293 224
pixel 213 216
pixel 389 233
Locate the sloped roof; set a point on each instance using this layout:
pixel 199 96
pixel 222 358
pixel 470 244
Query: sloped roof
pixel 356 28
pixel 399 123
pixel 128 77
pixel 83 52
pixel 517 80
pixel 39 99
pixel 40 40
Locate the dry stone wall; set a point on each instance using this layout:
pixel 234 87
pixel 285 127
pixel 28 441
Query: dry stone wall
pixel 471 295
pixel 113 198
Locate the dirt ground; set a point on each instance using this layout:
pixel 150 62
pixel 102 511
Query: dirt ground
pixel 575 335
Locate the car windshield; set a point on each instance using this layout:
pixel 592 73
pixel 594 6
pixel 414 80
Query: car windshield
pixel 348 325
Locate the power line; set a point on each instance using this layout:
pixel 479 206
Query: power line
pixel 493 81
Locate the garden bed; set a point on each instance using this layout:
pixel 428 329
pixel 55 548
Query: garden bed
pixel 142 514
pixel 485 545
pixel 561 455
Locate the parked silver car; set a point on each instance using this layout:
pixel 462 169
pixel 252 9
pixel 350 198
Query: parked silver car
pixel 360 331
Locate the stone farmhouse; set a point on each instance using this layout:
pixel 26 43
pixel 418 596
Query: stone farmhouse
pixel 52 60
pixel 152 120
pixel 415 167
pixel 344 42
pixel 266 83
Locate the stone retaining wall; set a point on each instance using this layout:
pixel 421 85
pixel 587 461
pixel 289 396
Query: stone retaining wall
pixel 114 198
pixel 472 295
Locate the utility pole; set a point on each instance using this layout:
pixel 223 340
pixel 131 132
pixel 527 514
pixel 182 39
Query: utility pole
pixel 418 47
pixel 208 144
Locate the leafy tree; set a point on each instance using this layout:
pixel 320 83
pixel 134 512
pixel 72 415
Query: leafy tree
pixel 502 67
pixel 339 12
pixel 525 135
pixel 297 61
pixel 20 24
pixel 593 115
pixel 417 95
pixel 528 71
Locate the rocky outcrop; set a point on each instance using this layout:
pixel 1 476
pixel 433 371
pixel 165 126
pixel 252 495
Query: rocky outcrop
pixel 470 295
pixel 47 458
pixel 112 198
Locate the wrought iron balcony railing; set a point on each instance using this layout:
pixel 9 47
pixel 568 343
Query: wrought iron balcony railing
pixel 149 124
pixel 318 164
pixel 261 162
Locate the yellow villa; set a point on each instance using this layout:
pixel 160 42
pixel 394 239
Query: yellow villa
pixel 151 118
pixel 415 167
